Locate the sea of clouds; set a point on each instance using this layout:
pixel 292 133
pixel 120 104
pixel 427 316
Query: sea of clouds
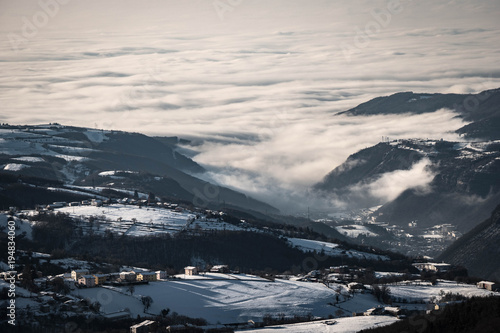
pixel 255 85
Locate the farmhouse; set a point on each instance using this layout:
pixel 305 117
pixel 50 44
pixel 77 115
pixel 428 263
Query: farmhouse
pixel 146 276
pixel 356 286
pixel 87 280
pixel 100 278
pixel 75 274
pixel 190 270
pixel 96 202
pixel 378 311
pixel 491 286
pixel 160 275
pixel 220 269
pixel 128 276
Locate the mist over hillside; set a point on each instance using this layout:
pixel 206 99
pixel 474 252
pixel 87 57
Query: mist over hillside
pixel 429 181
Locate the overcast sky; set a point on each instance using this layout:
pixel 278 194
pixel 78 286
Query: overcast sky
pixel 256 82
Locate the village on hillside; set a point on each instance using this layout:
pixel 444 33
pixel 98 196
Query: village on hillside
pixel 151 296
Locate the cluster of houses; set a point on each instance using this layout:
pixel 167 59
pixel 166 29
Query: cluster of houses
pixel 124 201
pixel 432 267
pixel 338 274
pixel 192 270
pixel 82 277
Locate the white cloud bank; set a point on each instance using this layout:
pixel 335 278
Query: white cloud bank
pixel 258 85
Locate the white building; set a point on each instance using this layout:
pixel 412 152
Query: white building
pixel 190 270
pixel 75 274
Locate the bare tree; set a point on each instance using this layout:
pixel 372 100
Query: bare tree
pixel 146 301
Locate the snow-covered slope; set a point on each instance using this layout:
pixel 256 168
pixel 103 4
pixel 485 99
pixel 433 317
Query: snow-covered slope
pixel 133 220
pixel 354 231
pixel 82 156
pixel 222 299
pixel 332 249
pixel 425 291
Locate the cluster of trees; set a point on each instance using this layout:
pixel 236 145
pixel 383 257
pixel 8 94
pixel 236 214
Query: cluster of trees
pixel 14 190
pixel 281 318
pixel 53 232
pixel 382 294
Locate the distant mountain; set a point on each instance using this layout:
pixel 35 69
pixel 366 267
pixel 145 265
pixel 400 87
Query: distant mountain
pixel 465 183
pixel 478 250
pixel 111 159
pixel 482 109
pixel 367 165
pixel 407 102
pixel 465 175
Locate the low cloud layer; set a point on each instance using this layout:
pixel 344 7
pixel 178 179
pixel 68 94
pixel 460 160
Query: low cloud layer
pixel 391 184
pixel 255 86
pixel 282 166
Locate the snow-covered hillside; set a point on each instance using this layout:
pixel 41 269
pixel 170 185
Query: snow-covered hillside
pixel 133 220
pixel 220 298
pixel 110 159
pixel 332 249
pixel 232 298
pixel 22 226
pixel 45 140
pixel 355 230
pixel 425 291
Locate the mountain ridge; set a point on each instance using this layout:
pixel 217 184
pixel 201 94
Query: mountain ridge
pixel 481 109
pixel 82 156
pixel 478 249
pixel 465 174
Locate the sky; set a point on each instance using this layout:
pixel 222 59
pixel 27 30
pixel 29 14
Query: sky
pixel 255 84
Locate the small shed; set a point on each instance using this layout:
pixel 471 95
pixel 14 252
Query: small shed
pixel 491 286
pixel 190 270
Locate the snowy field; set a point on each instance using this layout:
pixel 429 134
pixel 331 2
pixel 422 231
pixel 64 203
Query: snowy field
pixel 355 230
pixel 422 290
pixel 31 145
pixel 340 325
pixel 43 142
pixel 331 249
pixel 220 299
pixel 379 275
pixel 134 221
pixel 22 226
